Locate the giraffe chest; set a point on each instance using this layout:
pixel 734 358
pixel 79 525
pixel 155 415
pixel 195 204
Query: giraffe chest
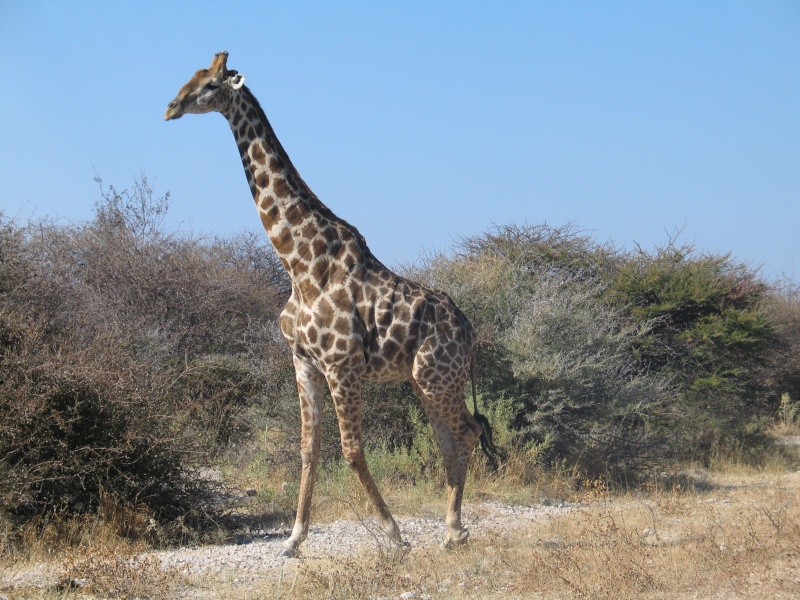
pixel 321 333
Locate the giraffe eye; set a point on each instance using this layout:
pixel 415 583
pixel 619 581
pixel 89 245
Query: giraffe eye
pixel 211 87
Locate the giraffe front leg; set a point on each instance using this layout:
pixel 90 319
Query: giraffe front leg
pixel 346 391
pixel 310 389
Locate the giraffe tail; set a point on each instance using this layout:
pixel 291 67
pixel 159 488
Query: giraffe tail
pixel 493 454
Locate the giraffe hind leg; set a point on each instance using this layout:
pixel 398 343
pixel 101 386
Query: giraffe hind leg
pixel 456 431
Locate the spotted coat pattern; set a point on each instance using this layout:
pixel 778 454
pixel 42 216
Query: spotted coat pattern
pixel 349 318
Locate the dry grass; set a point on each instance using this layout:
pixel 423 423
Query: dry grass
pixel 118 573
pixel 102 555
pixel 735 534
pixel 521 480
pixel 741 540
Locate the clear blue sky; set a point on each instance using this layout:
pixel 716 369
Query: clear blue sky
pixel 421 122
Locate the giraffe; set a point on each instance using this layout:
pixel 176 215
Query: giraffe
pixel 349 318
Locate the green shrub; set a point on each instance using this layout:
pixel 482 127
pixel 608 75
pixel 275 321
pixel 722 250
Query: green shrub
pixel 783 307
pixel 614 359
pixel 711 334
pixel 551 345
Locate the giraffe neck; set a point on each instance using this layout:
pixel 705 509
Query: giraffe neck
pixel 299 226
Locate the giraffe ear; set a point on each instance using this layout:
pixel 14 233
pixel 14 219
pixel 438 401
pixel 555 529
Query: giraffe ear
pixel 236 81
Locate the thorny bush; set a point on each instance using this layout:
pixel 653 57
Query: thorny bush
pixel 129 357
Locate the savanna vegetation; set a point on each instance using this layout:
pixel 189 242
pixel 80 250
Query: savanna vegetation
pixel 142 370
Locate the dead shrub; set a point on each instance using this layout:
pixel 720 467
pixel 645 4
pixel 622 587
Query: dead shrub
pixel 129 358
pixel 77 421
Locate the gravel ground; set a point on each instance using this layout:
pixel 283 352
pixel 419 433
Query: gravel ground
pixel 347 538
pixel 256 556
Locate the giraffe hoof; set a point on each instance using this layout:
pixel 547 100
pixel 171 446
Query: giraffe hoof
pixel 288 553
pixel 456 539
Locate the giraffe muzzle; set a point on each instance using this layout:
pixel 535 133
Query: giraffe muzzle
pixel 173 111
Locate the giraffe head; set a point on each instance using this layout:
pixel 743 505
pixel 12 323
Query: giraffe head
pixel 208 90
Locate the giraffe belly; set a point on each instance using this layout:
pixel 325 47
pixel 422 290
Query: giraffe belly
pixel 389 360
pixel 386 375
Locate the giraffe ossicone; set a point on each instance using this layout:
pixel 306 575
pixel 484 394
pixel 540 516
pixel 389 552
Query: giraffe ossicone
pixel 349 318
